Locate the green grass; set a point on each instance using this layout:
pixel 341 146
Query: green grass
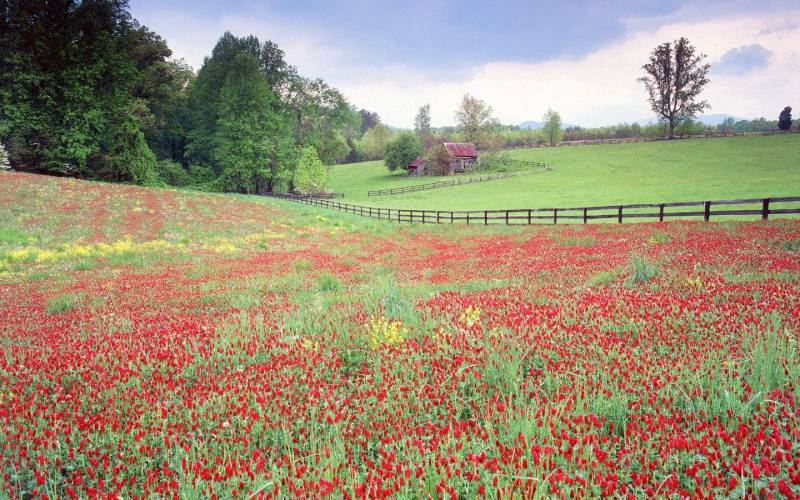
pixel 685 170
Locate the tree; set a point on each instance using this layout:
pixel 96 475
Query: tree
pixel 332 147
pixel 368 120
pixel 474 119
pixel 439 159
pixel 402 151
pixel 422 125
pixel 373 145
pixel 252 142
pixel 785 118
pixel 674 79
pixel 552 127
pixel 311 175
pixel 79 81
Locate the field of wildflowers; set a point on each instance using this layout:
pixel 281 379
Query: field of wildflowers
pixel 159 343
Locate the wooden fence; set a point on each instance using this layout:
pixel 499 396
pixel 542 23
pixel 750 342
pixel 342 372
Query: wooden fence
pixel 324 196
pixel 618 213
pixel 651 138
pixel 454 182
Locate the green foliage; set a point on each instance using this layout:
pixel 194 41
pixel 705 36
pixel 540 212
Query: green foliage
pixel 172 173
pixel 372 145
pixel 475 120
pixel 552 127
pixel 311 175
pixel 62 303
pixel 785 118
pixel 791 245
pixel 641 270
pixel 402 151
pixel 77 100
pixel 327 282
pixel 332 147
pixel 438 158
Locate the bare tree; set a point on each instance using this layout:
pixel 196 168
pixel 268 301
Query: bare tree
pixel 675 77
pixel 474 118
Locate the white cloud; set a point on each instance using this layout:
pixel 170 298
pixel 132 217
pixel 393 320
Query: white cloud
pixel 597 89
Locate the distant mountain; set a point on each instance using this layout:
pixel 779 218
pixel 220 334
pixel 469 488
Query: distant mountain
pixel 713 119
pixel 534 124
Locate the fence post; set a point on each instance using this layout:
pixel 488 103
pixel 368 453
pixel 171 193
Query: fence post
pixel 468 218
pixel 506 217
pixel 451 216
pixel 585 215
pixel 438 213
pixel 529 216
pixel 661 212
pixel 706 211
pixel 485 217
pixel 619 215
pixel 555 216
pixel 765 209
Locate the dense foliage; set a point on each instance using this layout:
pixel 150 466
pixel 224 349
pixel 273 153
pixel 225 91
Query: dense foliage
pixel 785 118
pixel 86 91
pixel 402 151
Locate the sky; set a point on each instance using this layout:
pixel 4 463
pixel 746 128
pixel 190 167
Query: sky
pixel 581 58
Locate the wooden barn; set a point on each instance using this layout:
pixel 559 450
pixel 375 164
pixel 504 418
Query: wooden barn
pixel 417 167
pixel 464 155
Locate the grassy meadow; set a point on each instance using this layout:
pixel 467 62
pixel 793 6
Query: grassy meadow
pixel 681 170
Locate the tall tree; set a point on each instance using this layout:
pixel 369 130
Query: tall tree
pixel 252 143
pixel 368 120
pixel 474 118
pixel 78 85
pixel 785 118
pixel 675 77
pixel 552 127
pixel 373 145
pixel 422 125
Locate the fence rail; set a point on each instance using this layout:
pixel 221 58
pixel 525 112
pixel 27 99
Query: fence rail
pixel 651 138
pixel 517 216
pixel 324 196
pixel 455 182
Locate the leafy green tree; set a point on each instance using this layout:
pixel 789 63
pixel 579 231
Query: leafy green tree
pixel 475 120
pixel 79 82
pixel 311 175
pixel 251 143
pixel 373 145
pixel 332 147
pixel 675 77
pixel 368 120
pixel 402 150
pixel 552 127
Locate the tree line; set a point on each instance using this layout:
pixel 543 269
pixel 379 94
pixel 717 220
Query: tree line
pixel 87 91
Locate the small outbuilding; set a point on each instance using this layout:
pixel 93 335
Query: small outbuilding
pixel 416 167
pixel 464 155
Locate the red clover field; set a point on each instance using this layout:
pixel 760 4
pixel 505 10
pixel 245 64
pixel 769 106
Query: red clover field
pixel 165 344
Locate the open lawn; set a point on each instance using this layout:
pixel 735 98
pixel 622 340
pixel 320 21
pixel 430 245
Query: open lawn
pixel 681 170
pixel 156 344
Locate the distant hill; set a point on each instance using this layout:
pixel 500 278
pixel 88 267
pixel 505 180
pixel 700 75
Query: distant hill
pixel 534 124
pixel 713 119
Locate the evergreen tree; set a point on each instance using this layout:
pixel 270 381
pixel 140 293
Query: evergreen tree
pixel 785 118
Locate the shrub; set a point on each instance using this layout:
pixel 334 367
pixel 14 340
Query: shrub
pixel 311 175
pixel 327 282
pixel 172 173
pixel 641 270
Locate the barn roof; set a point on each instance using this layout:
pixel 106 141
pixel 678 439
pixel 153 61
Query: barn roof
pixel 416 163
pixel 461 149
